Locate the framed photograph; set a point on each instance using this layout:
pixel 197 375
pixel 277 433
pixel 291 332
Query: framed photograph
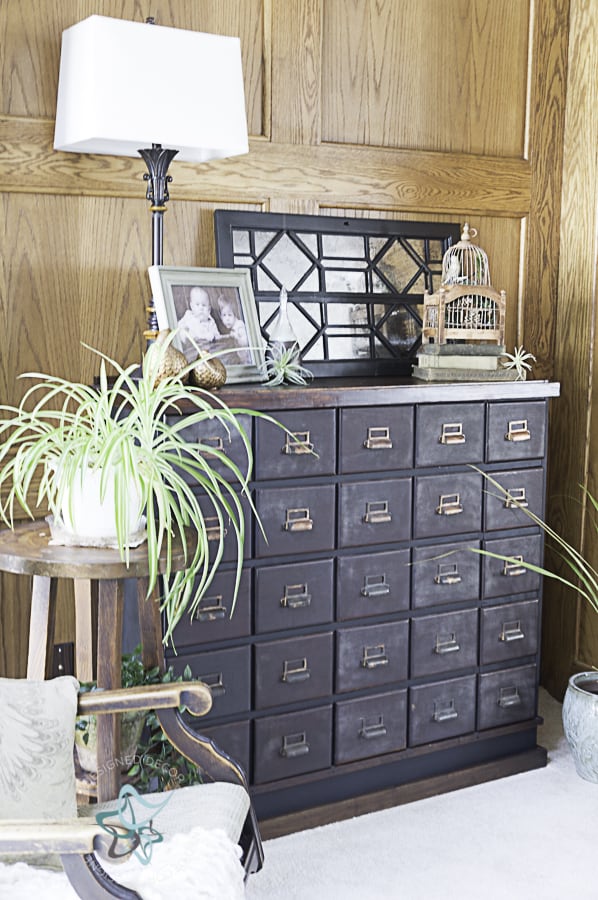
pixel 215 310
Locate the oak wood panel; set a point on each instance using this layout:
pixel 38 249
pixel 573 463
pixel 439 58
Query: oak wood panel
pixel 448 75
pixel 30 34
pixel 296 75
pixel 360 176
pixel 574 429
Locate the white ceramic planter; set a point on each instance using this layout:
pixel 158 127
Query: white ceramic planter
pixel 90 519
pixel 580 723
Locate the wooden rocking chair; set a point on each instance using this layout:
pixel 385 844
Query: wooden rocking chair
pixel 83 843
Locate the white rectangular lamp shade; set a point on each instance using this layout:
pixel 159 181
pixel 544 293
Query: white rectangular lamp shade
pixel 124 86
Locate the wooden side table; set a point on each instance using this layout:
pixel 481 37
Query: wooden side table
pixel 27 551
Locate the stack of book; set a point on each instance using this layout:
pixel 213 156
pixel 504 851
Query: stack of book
pixel 462 362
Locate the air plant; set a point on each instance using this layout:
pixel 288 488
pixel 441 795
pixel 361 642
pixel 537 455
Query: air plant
pixel 518 361
pixel 283 365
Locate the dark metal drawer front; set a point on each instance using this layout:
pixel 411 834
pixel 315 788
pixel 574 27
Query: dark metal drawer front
pixel 441 574
pixel 370 726
pixel 293 669
pixel 373 584
pixel 309 449
pixel 516 430
pixel 234 739
pixel 509 631
pixel 226 672
pixel 292 744
pixel 216 442
pixel 526 489
pixel 295 520
pixel 371 656
pixel 441 710
pixel 502 578
pixel 447 434
pixel 374 512
pixel 447 504
pixel 215 527
pixel 444 642
pixel 376 439
pixel 293 596
pixel 507 696
pixel 213 621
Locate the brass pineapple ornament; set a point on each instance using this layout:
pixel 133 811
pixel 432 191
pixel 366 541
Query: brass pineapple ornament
pixel 208 372
pixel 172 362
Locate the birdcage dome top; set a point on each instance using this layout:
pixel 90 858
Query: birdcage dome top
pixel 465 262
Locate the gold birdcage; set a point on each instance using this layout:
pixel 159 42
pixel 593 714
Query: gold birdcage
pixel 465 263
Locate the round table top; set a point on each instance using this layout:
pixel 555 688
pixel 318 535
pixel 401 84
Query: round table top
pixel 27 550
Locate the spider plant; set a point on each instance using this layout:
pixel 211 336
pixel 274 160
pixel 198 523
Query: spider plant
pixel 120 429
pixel 585 582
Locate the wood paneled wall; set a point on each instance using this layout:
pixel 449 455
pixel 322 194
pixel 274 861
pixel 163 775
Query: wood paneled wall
pixel 420 109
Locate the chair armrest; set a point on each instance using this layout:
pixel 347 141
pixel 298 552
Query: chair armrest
pixel 194 695
pixel 33 837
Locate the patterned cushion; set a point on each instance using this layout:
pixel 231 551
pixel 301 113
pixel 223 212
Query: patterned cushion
pixel 37 735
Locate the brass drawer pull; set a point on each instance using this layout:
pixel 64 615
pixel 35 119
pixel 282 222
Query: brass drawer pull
pixel 449 505
pixel 446 643
pixel 373 657
pixel 516 498
pixel 452 433
pixel 511 631
pixel 375 586
pixel 295 596
pixel 376 513
pixel 213 531
pixel 214 442
pixel 295 670
pixel 444 710
pixel 518 431
pixel 294 745
pixel 378 438
pixel 298 444
pixel 514 567
pixel 509 696
pixel 298 520
pixel 447 574
pixel 215 682
pixel 211 609
pixel 372 728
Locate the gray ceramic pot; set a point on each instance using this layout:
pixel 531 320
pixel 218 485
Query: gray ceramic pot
pixel 580 723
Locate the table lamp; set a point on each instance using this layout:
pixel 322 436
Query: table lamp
pixel 128 88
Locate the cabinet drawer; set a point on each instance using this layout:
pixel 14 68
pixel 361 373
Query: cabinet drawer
pixel 292 744
pixel 376 439
pixel 516 431
pixel 310 449
pixel 441 574
pixel 449 433
pixel 213 620
pixel 295 519
pixel 293 596
pixel 295 669
pixel 226 672
pixel 502 578
pixel 441 710
pixel 373 584
pixel 374 512
pixel 214 528
pixel 217 442
pixel 507 696
pixel 447 504
pixel 234 739
pixel 509 631
pixel 526 486
pixel 444 642
pixel 372 655
pixel 370 726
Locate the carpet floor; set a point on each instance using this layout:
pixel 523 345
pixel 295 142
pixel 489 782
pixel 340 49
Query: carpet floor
pixel 531 836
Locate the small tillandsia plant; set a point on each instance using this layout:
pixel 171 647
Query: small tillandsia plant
pixel 127 431
pixel 283 365
pixel 520 361
pixel 586 585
